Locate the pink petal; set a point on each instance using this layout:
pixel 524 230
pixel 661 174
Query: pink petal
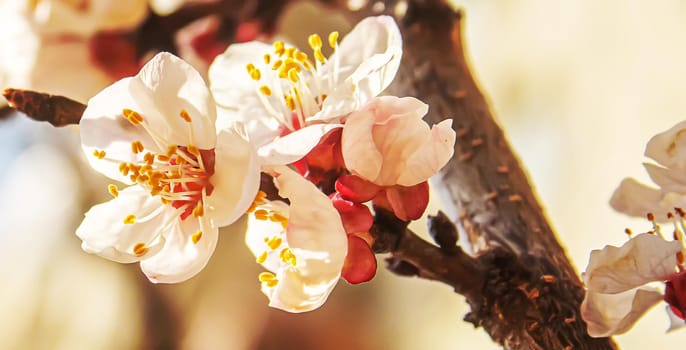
pixel 360 263
pixel 356 189
pixel 408 203
pixel 356 217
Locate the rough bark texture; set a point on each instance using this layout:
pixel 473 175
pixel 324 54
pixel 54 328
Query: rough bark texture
pixel 530 295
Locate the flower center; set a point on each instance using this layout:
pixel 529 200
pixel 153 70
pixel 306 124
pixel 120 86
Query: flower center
pixel 180 176
pixel 293 87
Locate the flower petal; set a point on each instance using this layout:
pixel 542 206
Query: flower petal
pixel 360 263
pixel 292 147
pixel 408 203
pixel 379 140
pixel 104 233
pixel 316 237
pixel 366 62
pixel 669 147
pixel 609 314
pixel 236 178
pixel 669 180
pixel 237 95
pixel 636 199
pixel 181 258
pixel 103 127
pixel 644 258
pixel 164 87
pixel 431 156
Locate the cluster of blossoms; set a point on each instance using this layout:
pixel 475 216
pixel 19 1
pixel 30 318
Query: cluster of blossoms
pixel 194 154
pixel 622 283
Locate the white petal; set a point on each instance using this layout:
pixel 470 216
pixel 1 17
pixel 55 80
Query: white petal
pixel 636 199
pixel 181 259
pixel 236 178
pixel 259 230
pixel 316 236
pixel 669 147
pixel 65 17
pixel 644 258
pixel 430 157
pixel 103 127
pixel 104 233
pixel 368 59
pixel 669 180
pixel 388 143
pixel 292 147
pixel 609 314
pixel 236 93
pixel 164 87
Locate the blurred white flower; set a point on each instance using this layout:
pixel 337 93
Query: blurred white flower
pixel 81 18
pixel 289 100
pixel 616 278
pixel 668 149
pixel 303 244
pixel 156 131
pixel 387 142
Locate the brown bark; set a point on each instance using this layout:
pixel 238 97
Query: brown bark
pixel 529 295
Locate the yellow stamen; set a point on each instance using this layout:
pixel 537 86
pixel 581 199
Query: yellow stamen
pixel 113 190
pixel 99 154
pixel 193 150
pixel 279 48
pixel 171 150
pixel 274 243
pixel 140 249
pixel 287 256
pixel 185 116
pixel 319 56
pixel 262 258
pixel 136 147
pixel 268 278
pixel 333 39
pixel 290 102
pixel 149 158
pixel 130 219
pixel 261 214
pixel 277 64
pixel 267 58
pixel 198 210
pixel 132 116
pixel 124 169
pixel 265 90
pixel 196 237
pixel 293 75
pixel 315 41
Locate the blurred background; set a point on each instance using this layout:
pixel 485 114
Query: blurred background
pixel 579 88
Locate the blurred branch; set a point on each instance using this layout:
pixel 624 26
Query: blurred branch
pixel 54 109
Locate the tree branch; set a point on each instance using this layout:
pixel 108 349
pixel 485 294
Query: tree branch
pixel 530 294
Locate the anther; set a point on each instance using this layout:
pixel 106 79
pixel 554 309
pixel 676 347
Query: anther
pixel 130 219
pixel 279 48
pixel 333 39
pixel 196 237
pixel 136 147
pixel 100 154
pixel 265 90
pixel 315 41
pixel 267 58
pixel 274 243
pixel 628 231
pixel 113 190
pixel 132 116
pixel 140 249
pixel 192 149
pixel 262 258
pixel 293 75
pixel 185 116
